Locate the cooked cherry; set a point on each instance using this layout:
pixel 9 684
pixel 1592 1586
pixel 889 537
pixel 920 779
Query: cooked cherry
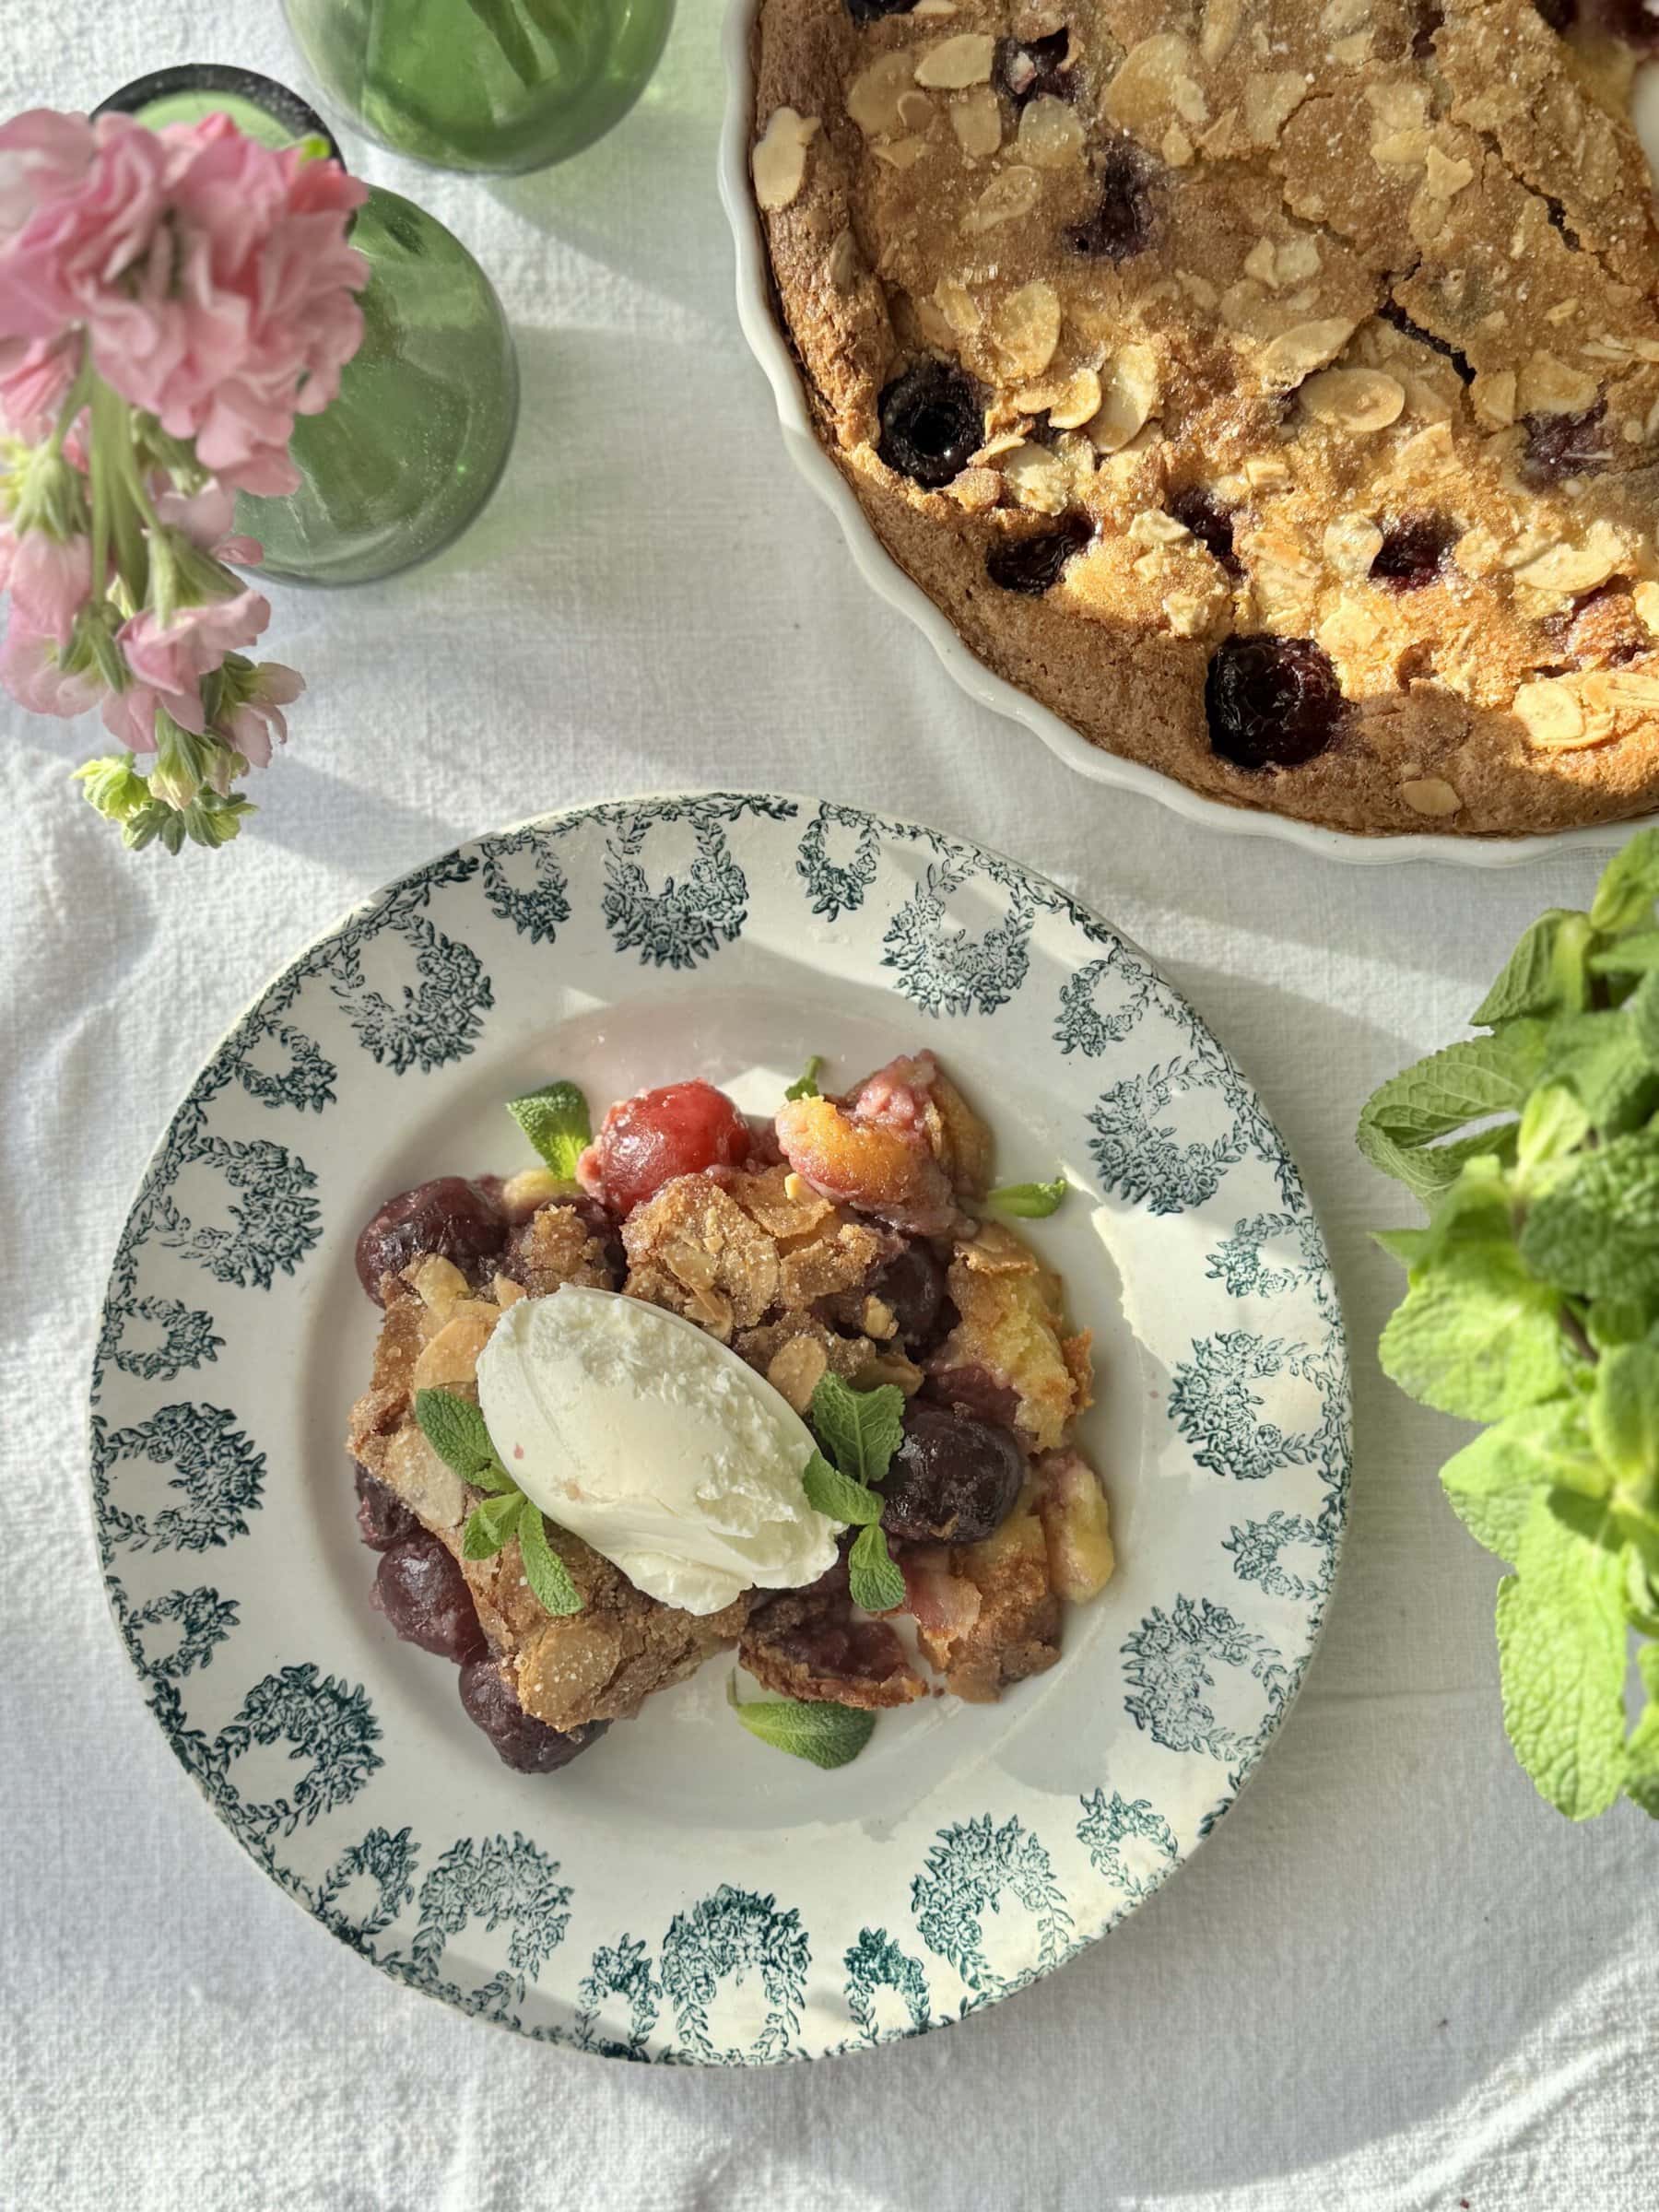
pixel 872 11
pixel 420 1589
pixel 522 1742
pixel 1561 15
pixel 932 421
pixel 382 1518
pixel 974 1389
pixel 1025 67
pixel 1271 703
pixel 1414 551
pixel 1629 20
pixel 1396 317
pixel 681 1129
pixel 1032 565
pixel 452 1219
pixel 1563 445
pixel 952 1481
pixel 1121 225
pixel 1211 523
pixel 911 1287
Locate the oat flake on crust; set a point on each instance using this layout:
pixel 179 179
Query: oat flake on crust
pixel 1371 292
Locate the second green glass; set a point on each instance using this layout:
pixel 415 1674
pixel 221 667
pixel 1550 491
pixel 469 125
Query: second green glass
pixel 499 85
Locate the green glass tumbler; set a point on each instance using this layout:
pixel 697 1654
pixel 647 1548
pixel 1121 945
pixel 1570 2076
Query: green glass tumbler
pixel 419 433
pixel 501 84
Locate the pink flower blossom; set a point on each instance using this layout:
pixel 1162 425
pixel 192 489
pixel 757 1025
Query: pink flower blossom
pixel 210 272
pixel 35 377
pixel 49 580
pixel 130 716
pixel 29 670
pixel 206 519
pixel 172 662
pixel 256 719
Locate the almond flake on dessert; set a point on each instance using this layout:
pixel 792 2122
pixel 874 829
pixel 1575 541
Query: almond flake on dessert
pixel 976 118
pixel 778 161
pixel 955 64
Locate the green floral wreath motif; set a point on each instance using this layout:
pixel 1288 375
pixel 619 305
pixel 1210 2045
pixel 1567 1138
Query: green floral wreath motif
pixel 970 1869
pixel 219 1470
pixel 685 921
pixel 945 970
pixel 736 1931
pixel 1106 1827
pixel 839 887
pixel 538 912
pixel 621 1971
pixel 503 1883
pixel 875 1962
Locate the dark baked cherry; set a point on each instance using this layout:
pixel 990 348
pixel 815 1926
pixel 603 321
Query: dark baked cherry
pixel 932 421
pixel 1023 68
pixel 911 1286
pixel 1211 523
pixel 1032 565
pixel 681 1129
pixel 522 1742
pixel 952 1481
pixel 1396 317
pixel 420 1589
pixel 1271 703
pixel 975 1390
pixel 1627 19
pixel 1414 551
pixel 1561 15
pixel 382 1518
pixel 872 11
pixel 1563 445
pixel 452 1219
pixel 1602 630
pixel 1121 223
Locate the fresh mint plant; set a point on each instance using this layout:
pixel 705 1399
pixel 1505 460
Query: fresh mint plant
pixel 1028 1201
pixel 859 1430
pixel 829 1735
pixel 1533 1305
pixel 454 1427
pixel 556 1121
pixel 806 1083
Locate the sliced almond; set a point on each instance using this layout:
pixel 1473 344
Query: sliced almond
pixel 1128 394
pixel 955 64
pixel 1270 101
pixel 915 110
pixel 874 95
pixel 958 306
pixel 779 161
pixel 1262 263
pixel 1565 571
pixel 1549 386
pixel 1037 478
pixel 1432 795
pixel 1492 395
pixel 1646 600
pixel 1004 200
pixel 1152 526
pixel 1351 543
pixel 1296 353
pixel 1359 400
pixel 1143 93
pixel 976 119
pixel 1636 690
pixel 1445 177
pixel 1075 401
pixel 843 263
pixel 1221 20
pixel 899 153
pixel 1025 328
pixel 1554 718
pixel 1051 133
pixel 1298 258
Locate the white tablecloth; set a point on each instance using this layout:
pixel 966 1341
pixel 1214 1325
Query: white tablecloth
pixel 1395 1979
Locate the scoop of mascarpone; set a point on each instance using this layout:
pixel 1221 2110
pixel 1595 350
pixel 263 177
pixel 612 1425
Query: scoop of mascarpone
pixel 647 1438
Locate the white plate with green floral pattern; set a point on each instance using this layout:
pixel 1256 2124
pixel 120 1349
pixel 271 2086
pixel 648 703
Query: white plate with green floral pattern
pixel 684 1893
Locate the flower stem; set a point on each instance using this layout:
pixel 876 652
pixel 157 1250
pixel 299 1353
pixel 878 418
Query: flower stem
pixel 74 399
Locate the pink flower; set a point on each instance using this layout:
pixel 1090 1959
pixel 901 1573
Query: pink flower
pixel 35 376
pixel 49 580
pixel 130 716
pixel 172 662
pixel 83 205
pixel 29 670
pixel 42 155
pixel 206 517
pixel 252 723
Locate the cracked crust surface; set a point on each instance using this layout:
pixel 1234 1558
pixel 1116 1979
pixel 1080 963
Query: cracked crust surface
pixel 1390 263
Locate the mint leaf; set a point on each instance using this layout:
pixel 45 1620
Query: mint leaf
pixel 876 1583
pixel 1615 1320
pixel 1466 1082
pixel 1601 1058
pixel 1628 956
pixel 1492 1482
pixel 1595 1228
pixel 1553 1125
pixel 1475 1334
pixel 556 1121
pixel 454 1427
pixel 548 1577
pixel 829 1735
pixel 1561 1651
pixel 1641 1753
pixel 1028 1201
pixel 806 1083
pixel 1544 974
pixel 860 1430
pixel 831 1492
pixel 488 1525
pixel 1624 898
pixel 1624 1418
pixel 1409 1246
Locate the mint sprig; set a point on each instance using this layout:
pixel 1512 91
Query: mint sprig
pixel 1532 1304
pixel 837 1496
pixel 873 1575
pixel 829 1736
pixel 1028 1201
pixel 806 1083
pixel 860 1430
pixel 556 1121
pixel 454 1427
